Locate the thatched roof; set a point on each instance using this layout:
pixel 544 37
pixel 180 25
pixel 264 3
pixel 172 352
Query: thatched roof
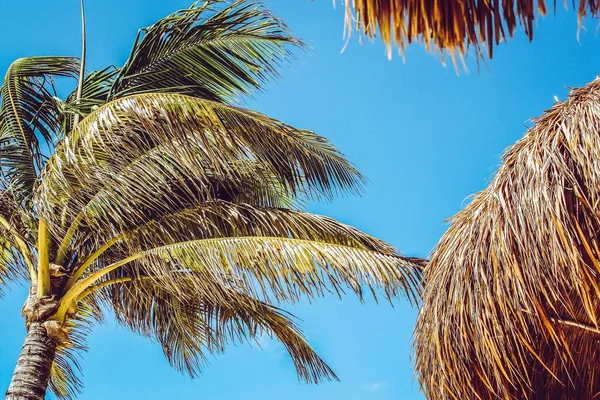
pixel 450 25
pixel 511 307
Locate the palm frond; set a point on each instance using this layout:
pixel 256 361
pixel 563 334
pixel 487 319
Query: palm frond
pixel 12 265
pixel 190 324
pixel 212 50
pixel 265 251
pixel 511 308
pixel 14 213
pixel 450 25
pixel 285 268
pixel 65 381
pixel 94 94
pixel 147 155
pixel 28 116
pixel 218 219
pixel 298 266
pixel 64 374
pixel 16 244
pixel 288 253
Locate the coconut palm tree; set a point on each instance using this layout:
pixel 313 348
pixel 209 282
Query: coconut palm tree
pixel 511 305
pixel 147 194
pixel 450 26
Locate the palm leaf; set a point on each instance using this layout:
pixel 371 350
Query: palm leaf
pixel 94 94
pixel 218 218
pixel 285 268
pixel 189 326
pixel 210 50
pixel 289 253
pixel 288 268
pixel 14 215
pixel 16 243
pixel 151 154
pixel 28 116
pixel 11 264
pixel 65 382
pixel 264 251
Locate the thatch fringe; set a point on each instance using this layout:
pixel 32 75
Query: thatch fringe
pixel 450 26
pixel 511 308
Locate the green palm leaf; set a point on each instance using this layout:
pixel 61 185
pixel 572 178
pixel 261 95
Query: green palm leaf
pixel 196 295
pixel 289 268
pixel 28 116
pixel 289 253
pixel 147 155
pixel 64 380
pixel 10 264
pixel 190 326
pixel 218 218
pixel 15 242
pixel 94 94
pixel 209 50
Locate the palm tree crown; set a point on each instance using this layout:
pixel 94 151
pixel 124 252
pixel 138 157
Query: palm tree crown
pixel 148 194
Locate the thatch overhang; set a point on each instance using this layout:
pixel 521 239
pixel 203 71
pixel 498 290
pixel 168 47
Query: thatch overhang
pixel 451 26
pixel 511 306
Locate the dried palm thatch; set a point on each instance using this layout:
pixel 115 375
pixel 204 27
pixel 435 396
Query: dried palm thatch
pixel 450 25
pixel 511 309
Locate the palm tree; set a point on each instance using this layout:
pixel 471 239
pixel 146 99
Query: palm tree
pixel 450 26
pixel 147 194
pixel 511 305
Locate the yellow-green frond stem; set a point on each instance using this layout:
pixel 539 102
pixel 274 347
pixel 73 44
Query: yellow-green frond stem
pixel 102 285
pixel 89 261
pixel 64 245
pixel 43 287
pixel 83 284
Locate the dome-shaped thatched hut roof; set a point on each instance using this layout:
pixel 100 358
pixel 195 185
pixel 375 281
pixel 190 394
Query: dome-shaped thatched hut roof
pixel 511 307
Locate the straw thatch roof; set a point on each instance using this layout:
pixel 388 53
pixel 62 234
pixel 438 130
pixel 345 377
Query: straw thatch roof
pixel 451 25
pixel 511 306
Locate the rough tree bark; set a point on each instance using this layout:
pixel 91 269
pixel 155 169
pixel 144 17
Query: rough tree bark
pixel 30 379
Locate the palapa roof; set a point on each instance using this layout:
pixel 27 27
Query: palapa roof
pixel 450 25
pixel 511 306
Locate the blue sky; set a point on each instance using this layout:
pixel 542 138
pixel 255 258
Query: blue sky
pixel 424 136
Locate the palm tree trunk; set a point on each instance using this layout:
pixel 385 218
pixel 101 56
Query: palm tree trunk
pixel 30 379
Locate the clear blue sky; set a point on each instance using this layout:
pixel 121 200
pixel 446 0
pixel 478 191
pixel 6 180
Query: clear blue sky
pixel 425 137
